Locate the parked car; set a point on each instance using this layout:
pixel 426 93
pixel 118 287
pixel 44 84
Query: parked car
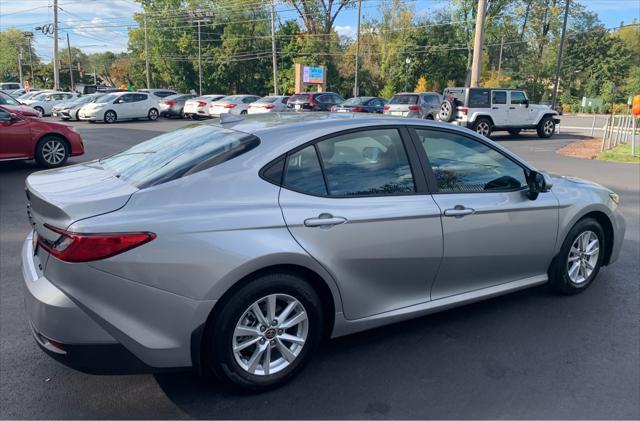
pixel 8 87
pixel 19 92
pixel 120 106
pixel 557 108
pixel 263 236
pixel 159 94
pixel 45 102
pixel 173 105
pixel 31 94
pixel 24 137
pixel 269 104
pixel 198 107
pixel 71 110
pixel 314 101
pixel 232 104
pixel 414 105
pixel 362 104
pixel 485 110
pixel 12 105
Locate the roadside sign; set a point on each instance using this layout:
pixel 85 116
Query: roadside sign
pixel 26 85
pixel 584 101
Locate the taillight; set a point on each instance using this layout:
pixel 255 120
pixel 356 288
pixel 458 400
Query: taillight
pixel 357 109
pixel 170 103
pixel 464 110
pixel 201 103
pixel 78 247
pixel 269 107
pixel 387 107
pixel 230 105
pixel 414 108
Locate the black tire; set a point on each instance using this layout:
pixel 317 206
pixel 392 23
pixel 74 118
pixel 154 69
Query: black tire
pixel 40 110
pixel 51 151
pixel 152 115
pixel 218 355
pixel 559 278
pixel 243 112
pixel 483 126
pixel 78 115
pixel 110 117
pixel 447 110
pixel 514 132
pixel 195 117
pixel 428 117
pixel 546 127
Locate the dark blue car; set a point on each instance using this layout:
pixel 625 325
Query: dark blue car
pixel 361 104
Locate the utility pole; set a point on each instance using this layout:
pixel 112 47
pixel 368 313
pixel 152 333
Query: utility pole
pixel 500 59
pixel 95 79
pixel 56 62
pixel 274 58
pixel 70 64
pixel 146 52
pixel 29 36
pixel 199 60
pixel 356 87
pixel 20 67
pixel 559 63
pixel 476 66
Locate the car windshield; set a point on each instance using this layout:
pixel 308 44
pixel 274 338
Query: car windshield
pixel 356 101
pixel 404 99
pixel 106 98
pixel 301 97
pixel 85 99
pixel 178 153
pixel 268 99
pixel 39 97
pixel 7 100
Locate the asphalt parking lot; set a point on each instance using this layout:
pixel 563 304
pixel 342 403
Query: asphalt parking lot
pixel 526 355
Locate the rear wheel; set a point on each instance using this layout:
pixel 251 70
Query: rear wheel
pixel 483 126
pixel 153 114
pixel 110 117
pixel 264 333
pixel 51 152
pixel 580 258
pixel 546 127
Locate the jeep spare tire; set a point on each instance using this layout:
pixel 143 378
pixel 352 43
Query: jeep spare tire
pixel 447 110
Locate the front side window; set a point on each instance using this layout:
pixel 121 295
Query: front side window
pixel 364 163
pixel 464 165
pixel 518 98
pixel 498 97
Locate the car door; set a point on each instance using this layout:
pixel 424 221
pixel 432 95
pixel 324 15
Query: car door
pixel 371 224
pixel 141 104
pixel 493 233
pixel 518 108
pixel 15 138
pixel 499 108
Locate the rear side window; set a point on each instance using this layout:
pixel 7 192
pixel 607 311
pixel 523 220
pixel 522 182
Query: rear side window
pixel 404 99
pixel 479 98
pixel 179 153
pixel 304 173
pixel 499 97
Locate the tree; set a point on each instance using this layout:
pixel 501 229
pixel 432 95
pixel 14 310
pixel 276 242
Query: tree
pixel 422 85
pixel 12 42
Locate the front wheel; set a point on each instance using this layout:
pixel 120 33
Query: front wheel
pixel 546 127
pixel 483 127
pixel 110 117
pixel 264 333
pixel 153 114
pixel 40 110
pixel 51 152
pixel 580 258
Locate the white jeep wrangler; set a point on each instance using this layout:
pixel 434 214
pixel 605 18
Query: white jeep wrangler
pixel 486 110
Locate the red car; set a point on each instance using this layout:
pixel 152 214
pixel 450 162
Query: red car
pixel 24 136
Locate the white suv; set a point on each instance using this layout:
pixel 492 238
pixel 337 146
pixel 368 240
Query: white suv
pixel 485 110
pixel 120 106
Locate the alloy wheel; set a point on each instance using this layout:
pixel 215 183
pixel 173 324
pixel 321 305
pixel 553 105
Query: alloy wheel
pixel 270 334
pixel 583 257
pixel 445 111
pixel 53 152
pixel 548 127
pixel 110 117
pixel 483 128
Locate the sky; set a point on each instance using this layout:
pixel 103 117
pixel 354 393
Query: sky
pixel 101 25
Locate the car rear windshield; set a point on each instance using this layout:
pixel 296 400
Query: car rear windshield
pixel 302 98
pixel 357 100
pixel 404 99
pixel 178 153
pixel 268 99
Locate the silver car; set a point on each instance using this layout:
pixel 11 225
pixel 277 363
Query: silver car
pixel 266 234
pixel 414 105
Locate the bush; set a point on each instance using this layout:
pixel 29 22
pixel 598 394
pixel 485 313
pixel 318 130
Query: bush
pixel 587 109
pixel 619 108
pixel 566 108
pixel 575 108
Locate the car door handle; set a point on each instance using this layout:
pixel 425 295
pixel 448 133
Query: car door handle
pixel 459 211
pixel 324 220
pixel 512 108
pixel 494 108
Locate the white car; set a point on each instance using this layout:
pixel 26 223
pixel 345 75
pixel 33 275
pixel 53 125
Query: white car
pixel 44 102
pixel 198 107
pixel 31 94
pixel 9 87
pixel 120 106
pixel 232 104
pixel 158 94
pixel 269 104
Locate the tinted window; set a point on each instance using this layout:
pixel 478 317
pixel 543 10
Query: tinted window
pixel 7 99
pixel 301 98
pixel 517 97
pixel 356 101
pixel 404 99
pixel 285 99
pixel 433 99
pixel 303 172
pixel 107 98
pixel 163 94
pixel 337 99
pixel 498 97
pixel 463 165
pixel 479 98
pixel 177 153
pixel 4 116
pixel 268 99
pixel 139 97
pixel 371 162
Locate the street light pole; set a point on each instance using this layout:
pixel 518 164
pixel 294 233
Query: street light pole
pixel 56 62
pixel 559 62
pixel 356 87
pixel 20 67
pixel 146 53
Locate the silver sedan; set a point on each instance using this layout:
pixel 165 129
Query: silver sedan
pixel 236 247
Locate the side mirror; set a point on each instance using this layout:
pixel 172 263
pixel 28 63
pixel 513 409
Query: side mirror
pixel 538 183
pixel 14 117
